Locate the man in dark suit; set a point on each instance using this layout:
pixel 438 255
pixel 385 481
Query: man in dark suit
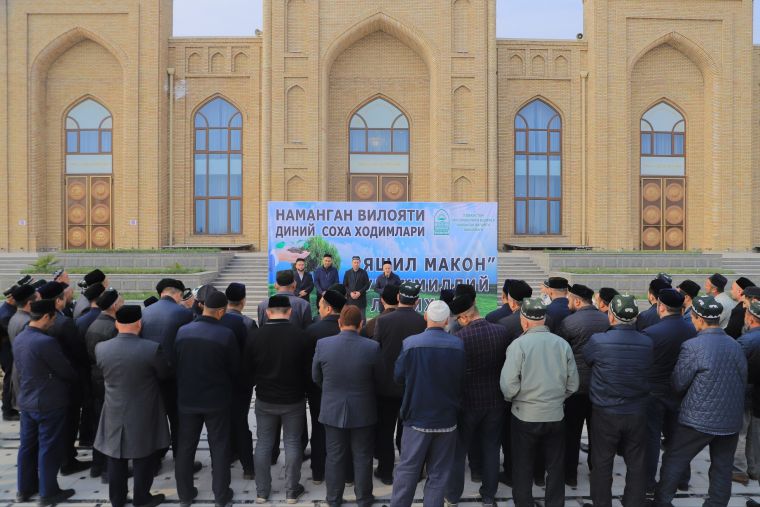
pixel 285 284
pixel 304 281
pixel 91 278
pixel 386 279
pixel 160 323
pixel 348 367
pixel 103 329
pixel 356 282
pixel 133 420
pixel 24 295
pixel 325 276
pixel 650 316
pixel 390 331
pixel 207 362
pixel 235 293
pixel 389 301
pixel 83 322
pixel 554 293
pixel 7 310
pixel 735 326
pixel 329 308
pixel 46 378
pixel 504 310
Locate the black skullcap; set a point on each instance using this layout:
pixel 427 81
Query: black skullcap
pixel 356 258
pixel 447 296
pixel 43 307
pixel 719 281
pixel 607 293
pixel 690 288
pixel 519 290
pixel 9 291
pixel 581 291
pixel 505 287
pixel 280 301
pixel 390 294
pixel 752 292
pixel 338 287
pixel 166 283
pixel 151 300
pixel 216 300
pixel 665 278
pixel 671 298
pixel 744 282
pixel 335 299
pixel 235 292
pixel 39 283
pixel 204 291
pixel 92 292
pixel 707 307
pixel 128 314
pixel 52 290
pixel 94 276
pixel 461 303
pixel 107 299
pixel 556 282
pixel 463 289
pixel 285 278
pixel 23 292
pixel 656 285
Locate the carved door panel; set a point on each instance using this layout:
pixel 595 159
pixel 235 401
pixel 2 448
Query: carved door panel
pixel 88 212
pixel 663 213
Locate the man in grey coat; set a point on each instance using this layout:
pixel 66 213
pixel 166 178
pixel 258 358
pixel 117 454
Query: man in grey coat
pixel 133 421
pixel 285 284
pixel 348 367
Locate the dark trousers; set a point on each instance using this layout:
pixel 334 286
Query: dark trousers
pixel 686 444
pixel 169 394
pixel 190 427
pixel 242 438
pixel 347 446
pixel 577 412
pixel 318 449
pixel 88 425
pixel 532 439
pixel 99 461
pixel 6 363
pixel 40 451
pixel 506 441
pixel 481 430
pixel 662 419
pixel 118 473
pixel 610 432
pixel 73 418
pixel 387 417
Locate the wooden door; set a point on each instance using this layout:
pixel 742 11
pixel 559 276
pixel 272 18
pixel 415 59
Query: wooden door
pixel 375 187
pixel 88 212
pixel 663 213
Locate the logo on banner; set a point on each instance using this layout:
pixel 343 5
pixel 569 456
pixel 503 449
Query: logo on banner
pixel 441 223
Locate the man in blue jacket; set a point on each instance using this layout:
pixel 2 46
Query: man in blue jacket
pixel 711 373
pixel 620 360
pixel 662 414
pixel 431 368
pixel 46 377
pixel 554 294
pixel 650 316
pixel 325 276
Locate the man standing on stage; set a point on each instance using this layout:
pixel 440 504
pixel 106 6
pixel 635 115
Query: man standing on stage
pixel 304 281
pixel 386 279
pixel 325 276
pixel 356 282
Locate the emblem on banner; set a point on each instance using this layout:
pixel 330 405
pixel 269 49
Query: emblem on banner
pixel 441 224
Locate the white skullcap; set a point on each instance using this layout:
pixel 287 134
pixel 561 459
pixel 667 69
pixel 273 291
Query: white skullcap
pixel 438 311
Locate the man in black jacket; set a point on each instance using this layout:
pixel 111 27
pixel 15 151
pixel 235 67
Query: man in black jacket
pixel 577 328
pixel 735 326
pixel 504 310
pixel 277 358
pixel 207 361
pixel 650 316
pixel 389 301
pixel 555 291
pixel 304 280
pixel 604 297
pixel 356 281
pixel 329 309
pixel 235 293
pixel 390 331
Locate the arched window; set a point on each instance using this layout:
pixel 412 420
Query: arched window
pixel 538 169
pixel 662 132
pixel 218 168
pixel 379 139
pixel 89 129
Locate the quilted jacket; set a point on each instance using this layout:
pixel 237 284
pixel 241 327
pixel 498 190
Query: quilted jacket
pixel 712 373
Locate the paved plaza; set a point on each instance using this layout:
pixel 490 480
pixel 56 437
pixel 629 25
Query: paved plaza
pixel 90 491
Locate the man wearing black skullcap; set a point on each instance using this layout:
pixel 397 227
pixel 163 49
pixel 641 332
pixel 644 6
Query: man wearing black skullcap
pixel 24 295
pixel 133 422
pixel 389 301
pixel 330 305
pixel 504 310
pixel 91 278
pixel 207 362
pixel 462 289
pixel 285 285
pixel 603 298
pixel 83 322
pixel 715 286
pixel 620 359
pixel 735 326
pixel 356 281
pixel 662 413
pixel 277 357
pixel 160 322
pixel 690 291
pixel 103 329
pixel 7 310
pixel 711 375
pixel 47 378
pixel 386 279
pixel 390 331
pixel 577 328
pixel 554 294
pixel 747 457
pixel 650 316
pixel 74 348
pixel 236 293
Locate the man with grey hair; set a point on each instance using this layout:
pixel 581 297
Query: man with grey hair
pixel 431 368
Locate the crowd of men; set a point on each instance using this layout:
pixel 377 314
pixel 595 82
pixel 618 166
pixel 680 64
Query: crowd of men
pixel 508 393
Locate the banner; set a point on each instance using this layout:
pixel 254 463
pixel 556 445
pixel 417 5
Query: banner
pixel 438 245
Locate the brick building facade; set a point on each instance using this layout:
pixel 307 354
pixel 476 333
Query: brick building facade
pixel 637 136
